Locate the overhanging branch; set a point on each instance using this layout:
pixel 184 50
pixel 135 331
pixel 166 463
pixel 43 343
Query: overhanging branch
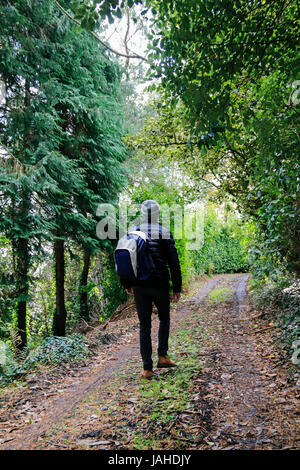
pixel 121 54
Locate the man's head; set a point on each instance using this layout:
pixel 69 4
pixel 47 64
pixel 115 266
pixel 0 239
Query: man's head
pixel 150 211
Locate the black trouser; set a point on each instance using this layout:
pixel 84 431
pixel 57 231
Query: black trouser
pixel 144 296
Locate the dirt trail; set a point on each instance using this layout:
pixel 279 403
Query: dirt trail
pixel 97 374
pixel 253 405
pixel 249 402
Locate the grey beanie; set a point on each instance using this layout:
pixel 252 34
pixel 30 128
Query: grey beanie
pixel 150 211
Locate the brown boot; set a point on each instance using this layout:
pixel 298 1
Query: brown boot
pixel 147 374
pixel 165 361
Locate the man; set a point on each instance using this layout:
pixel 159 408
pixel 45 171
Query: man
pixel 155 289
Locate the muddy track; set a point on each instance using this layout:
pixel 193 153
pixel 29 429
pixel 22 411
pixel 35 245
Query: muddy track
pixel 96 377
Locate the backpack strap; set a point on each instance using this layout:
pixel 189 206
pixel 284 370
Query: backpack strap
pixel 139 233
pixel 143 235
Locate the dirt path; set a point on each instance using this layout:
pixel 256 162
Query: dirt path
pixel 97 374
pixel 244 399
pixel 254 406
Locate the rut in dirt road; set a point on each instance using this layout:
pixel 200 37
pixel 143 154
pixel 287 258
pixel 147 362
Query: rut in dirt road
pixel 253 404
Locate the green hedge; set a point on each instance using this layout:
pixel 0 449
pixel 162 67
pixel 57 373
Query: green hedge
pixel 223 249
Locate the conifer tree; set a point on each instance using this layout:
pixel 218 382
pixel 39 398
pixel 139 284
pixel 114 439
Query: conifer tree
pixel 61 134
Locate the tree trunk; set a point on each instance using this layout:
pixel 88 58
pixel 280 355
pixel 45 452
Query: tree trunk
pixel 60 314
pixel 22 281
pixel 83 295
pixel 22 246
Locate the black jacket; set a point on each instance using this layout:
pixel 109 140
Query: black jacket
pixel 163 252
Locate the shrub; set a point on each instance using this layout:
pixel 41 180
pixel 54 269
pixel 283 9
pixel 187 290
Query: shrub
pixel 54 350
pixel 58 349
pixel 223 249
pixel 10 368
pixel 114 293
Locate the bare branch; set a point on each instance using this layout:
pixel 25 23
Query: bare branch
pixel 127 32
pixel 135 56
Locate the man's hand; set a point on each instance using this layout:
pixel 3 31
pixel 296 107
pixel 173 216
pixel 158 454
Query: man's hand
pixel 129 291
pixel 175 297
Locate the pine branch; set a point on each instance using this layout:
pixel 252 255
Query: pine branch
pixel 121 54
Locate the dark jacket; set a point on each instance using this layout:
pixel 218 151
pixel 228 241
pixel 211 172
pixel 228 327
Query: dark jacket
pixel 163 252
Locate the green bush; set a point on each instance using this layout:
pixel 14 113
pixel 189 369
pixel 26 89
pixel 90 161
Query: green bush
pixel 53 350
pixel 10 368
pixel 57 349
pixel 223 249
pixel 185 256
pixel 114 293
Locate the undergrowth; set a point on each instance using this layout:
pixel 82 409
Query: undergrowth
pixel 54 350
pixel 280 299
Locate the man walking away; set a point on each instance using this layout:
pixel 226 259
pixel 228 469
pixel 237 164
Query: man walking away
pixel 163 253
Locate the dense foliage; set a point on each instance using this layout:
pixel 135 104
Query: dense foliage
pixel 224 247
pixel 61 134
pixel 55 350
